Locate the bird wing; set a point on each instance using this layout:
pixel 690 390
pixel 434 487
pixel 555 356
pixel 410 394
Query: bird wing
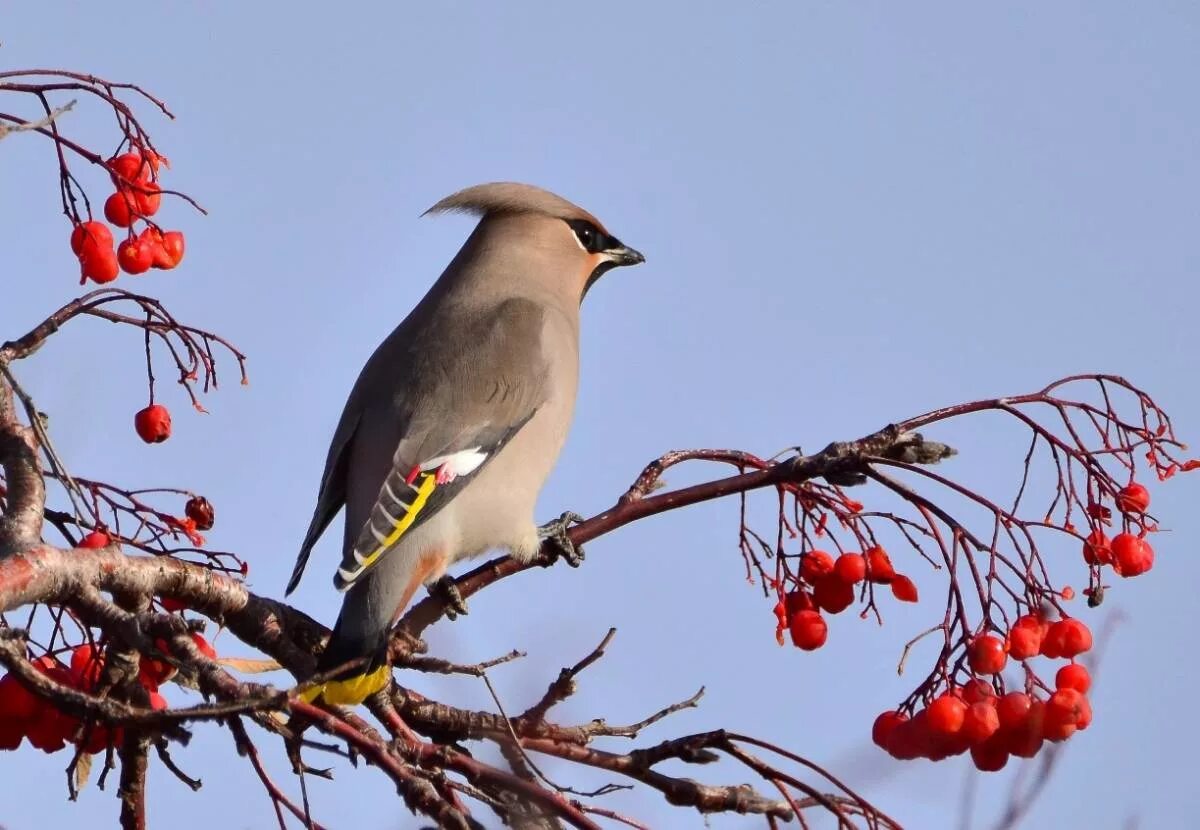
pixel 332 494
pixel 469 385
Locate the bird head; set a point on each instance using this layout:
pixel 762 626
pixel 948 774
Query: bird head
pixel 531 225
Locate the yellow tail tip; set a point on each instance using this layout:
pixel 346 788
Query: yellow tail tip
pixel 352 690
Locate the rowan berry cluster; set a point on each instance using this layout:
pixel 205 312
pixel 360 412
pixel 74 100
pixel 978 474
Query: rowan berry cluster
pixel 27 716
pixel 980 717
pixel 966 704
pixel 137 197
pixel 1129 554
pixel 828 584
pixel 198 515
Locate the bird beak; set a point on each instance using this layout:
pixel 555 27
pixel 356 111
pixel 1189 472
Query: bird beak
pixel 624 255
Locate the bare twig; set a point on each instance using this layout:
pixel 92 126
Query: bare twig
pixel 18 126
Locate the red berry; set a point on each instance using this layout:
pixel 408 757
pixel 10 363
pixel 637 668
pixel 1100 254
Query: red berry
pixel 1062 713
pixel 946 714
pixel 16 701
pixel 153 424
pixel 1025 637
pixel 795 602
pixel 1057 731
pixel 87 237
pixel 1067 638
pixel 987 655
pixel 809 630
pixel 942 747
pixel 904 589
pixel 1124 546
pixel 1133 499
pixel 1085 715
pixel 200 511
pixel 173 244
pixel 814 565
pixel 1132 556
pixel 47 730
pixel 1026 738
pixel 153 673
pixel 980 722
pixel 100 265
pixel 152 239
pixel 879 566
pixel 850 568
pixel 990 756
pixel 134 257
pixel 910 738
pixel 11 733
pixel 1097 549
pixel 129 166
pixel 978 691
pixel 1052 645
pixel 1012 709
pixel 885 724
pixel 1074 676
pixel 86 665
pixel 119 209
pixel 95 539
pixel 171 605
pixel 832 595
pixel 146 197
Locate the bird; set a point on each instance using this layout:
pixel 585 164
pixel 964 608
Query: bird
pixel 456 420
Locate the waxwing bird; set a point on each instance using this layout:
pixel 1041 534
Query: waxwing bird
pixel 458 417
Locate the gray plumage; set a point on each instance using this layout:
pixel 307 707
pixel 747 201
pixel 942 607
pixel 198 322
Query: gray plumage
pixel 467 402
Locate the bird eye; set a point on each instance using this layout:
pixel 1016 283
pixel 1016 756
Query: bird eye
pixel 589 237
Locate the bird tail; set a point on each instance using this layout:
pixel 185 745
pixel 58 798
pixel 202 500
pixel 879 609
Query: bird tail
pixel 355 685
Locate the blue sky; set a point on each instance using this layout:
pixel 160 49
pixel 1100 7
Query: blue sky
pixel 851 214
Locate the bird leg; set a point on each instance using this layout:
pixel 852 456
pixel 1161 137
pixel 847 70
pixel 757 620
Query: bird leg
pixel 561 545
pixel 446 589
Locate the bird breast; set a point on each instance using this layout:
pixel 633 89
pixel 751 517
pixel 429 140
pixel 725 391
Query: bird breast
pixel 497 508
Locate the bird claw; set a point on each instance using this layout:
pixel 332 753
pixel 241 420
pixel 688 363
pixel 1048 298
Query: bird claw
pixel 562 546
pixel 446 589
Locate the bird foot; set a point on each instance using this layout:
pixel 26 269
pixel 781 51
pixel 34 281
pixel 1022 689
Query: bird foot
pixel 561 545
pixel 446 589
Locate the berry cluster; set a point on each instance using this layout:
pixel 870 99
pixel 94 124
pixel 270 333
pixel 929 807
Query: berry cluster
pixel 137 198
pixel 992 725
pixel 827 584
pixel 25 715
pixel 1127 553
pixel 965 705
pixel 198 515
